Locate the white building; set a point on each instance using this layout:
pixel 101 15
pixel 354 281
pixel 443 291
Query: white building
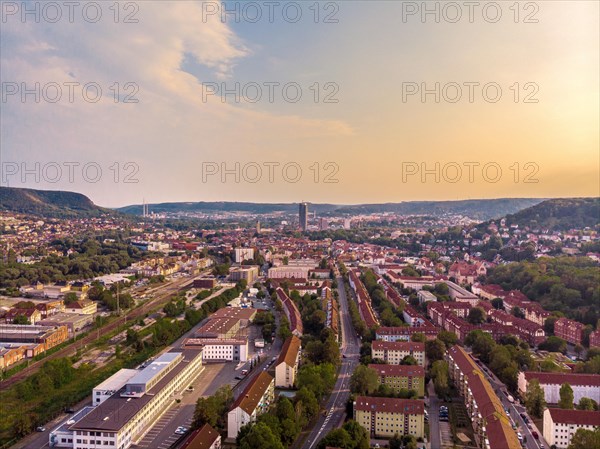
pixel 297 272
pixel 111 385
pixel 123 419
pixel 216 349
pixel 560 425
pixel 425 296
pixel 286 366
pixel 251 403
pixel 583 385
pixel 241 254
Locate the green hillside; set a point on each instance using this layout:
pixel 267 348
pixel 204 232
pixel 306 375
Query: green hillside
pixel 49 203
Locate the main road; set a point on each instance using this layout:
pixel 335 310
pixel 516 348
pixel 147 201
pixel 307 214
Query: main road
pixel 336 404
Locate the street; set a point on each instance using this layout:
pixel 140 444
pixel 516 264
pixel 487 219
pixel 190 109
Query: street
pixel 336 404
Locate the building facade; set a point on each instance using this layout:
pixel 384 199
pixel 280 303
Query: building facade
pixel 386 417
pixel 286 366
pixel 255 400
pixel 392 352
pixel 401 377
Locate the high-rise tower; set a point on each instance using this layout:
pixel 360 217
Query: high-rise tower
pixel 303 216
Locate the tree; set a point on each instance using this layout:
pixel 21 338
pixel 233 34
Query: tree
pixel 21 319
pixel 70 298
pixel 357 433
pixel 364 380
pixel 476 315
pixel 482 344
pixel 449 338
pixel 553 344
pixel 587 404
pixel 306 406
pixel 497 303
pixel 549 325
pixel 585 439
pixel 260 435
pixel 578 350
pixel 336 438
pixel 418 337
pixel 439 374
pixel 566 397
pixel 409 360
pixel 517 312
pixel 435 350
pixel 534 399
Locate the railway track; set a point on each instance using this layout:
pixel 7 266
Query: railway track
pixel 70 349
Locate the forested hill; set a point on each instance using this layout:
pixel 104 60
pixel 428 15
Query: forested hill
pixel 559 214
pixel 48 203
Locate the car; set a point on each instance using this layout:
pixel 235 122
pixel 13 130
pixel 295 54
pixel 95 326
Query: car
pixel 181 430
pixel 40 429
pixel 244 372
pixel 238 377
pixel 535 434
pixel 519 436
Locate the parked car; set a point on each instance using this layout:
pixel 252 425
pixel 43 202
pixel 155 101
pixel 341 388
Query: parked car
pixel 40 429
pixel 535 434
pixel 181 430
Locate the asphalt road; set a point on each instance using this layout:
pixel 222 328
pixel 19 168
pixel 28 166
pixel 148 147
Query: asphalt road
pixel 434 419
pixel 336 404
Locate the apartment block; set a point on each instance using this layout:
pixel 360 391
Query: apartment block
pixel 286 366
pixel 560 425
pixel 386 417
pixel 569 330
pixel 583 385
pixel 392 352
pixel 490 425
pixel 251 403
pixel 401 377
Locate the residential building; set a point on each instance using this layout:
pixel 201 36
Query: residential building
pixel 491 426
pixel 291 312
pixel 386 417
pixel 393 352
pixel 249 273
pixel 560 425
pixel 82 306
pixel 401 377
pixel 251 403
pixel 569 330
pixel 33 316
pixel 583 385
pixel 405 333
pixel 205 282
pixel 286 366
pixel 242 254
pixel 206 437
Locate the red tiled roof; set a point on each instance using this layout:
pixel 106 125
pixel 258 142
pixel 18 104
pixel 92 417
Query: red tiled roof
pixel 581 417
pixel 398 370
pixel 561 378
pixel 389 405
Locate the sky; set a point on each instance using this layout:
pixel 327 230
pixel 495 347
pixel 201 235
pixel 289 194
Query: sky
pixel 340 102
